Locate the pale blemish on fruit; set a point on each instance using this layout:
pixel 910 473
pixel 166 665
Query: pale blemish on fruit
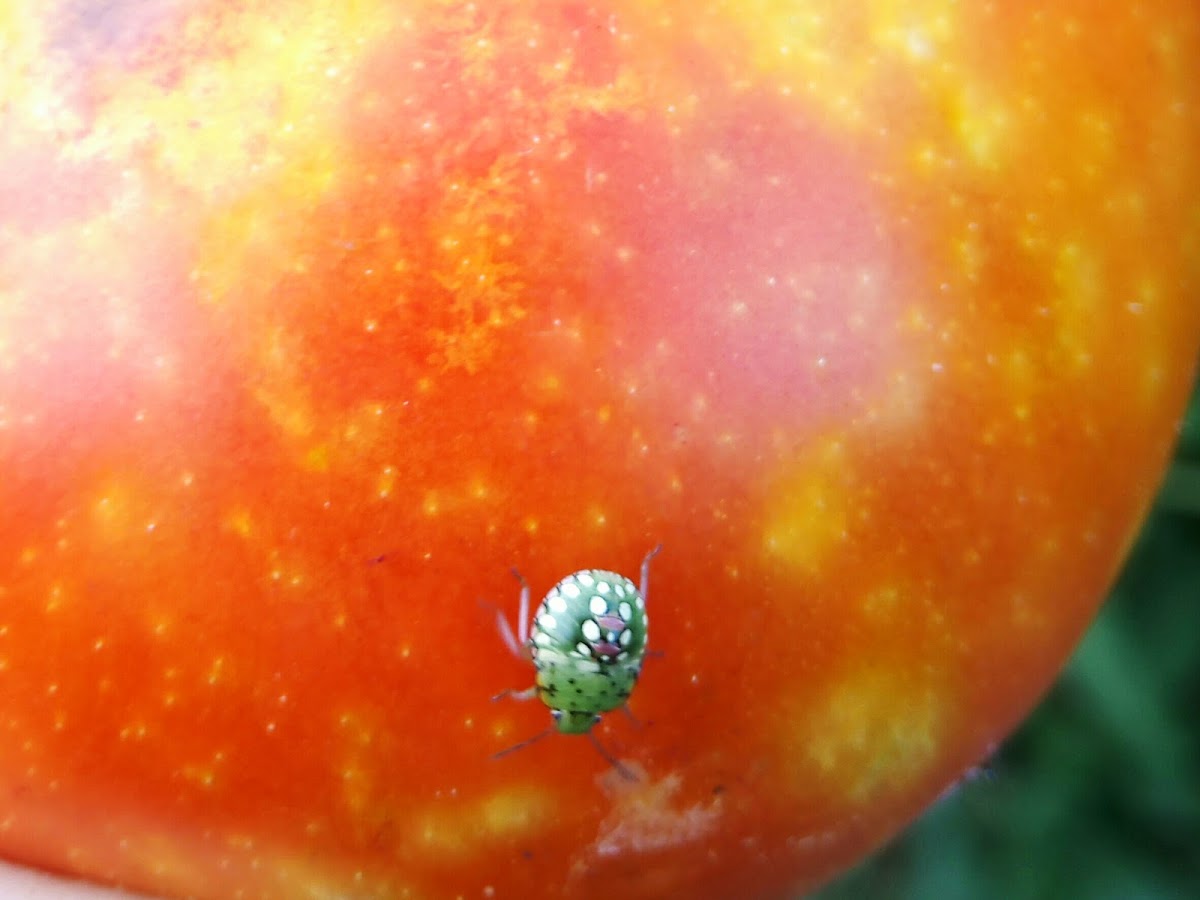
pixel 875 731
pixel 649 816
pixel 451 829
pixel 809 514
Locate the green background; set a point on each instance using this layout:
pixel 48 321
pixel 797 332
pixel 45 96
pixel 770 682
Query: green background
pixel 1097 797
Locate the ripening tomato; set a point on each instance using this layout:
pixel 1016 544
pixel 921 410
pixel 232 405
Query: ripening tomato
pixel 317 319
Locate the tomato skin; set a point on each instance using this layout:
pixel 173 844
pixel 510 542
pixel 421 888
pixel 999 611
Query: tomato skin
pixel 316 321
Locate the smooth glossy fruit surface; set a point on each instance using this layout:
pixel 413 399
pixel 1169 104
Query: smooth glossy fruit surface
pixel 315 319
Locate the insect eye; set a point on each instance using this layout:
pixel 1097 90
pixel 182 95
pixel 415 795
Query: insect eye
pixel 557 714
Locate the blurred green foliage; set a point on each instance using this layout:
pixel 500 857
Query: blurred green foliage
pixel 1097 797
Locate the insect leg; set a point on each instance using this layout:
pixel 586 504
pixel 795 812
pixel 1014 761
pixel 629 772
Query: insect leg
pixel 516 647
pixel 645 586
pixel 523 611
pixel 528 694
pixel 610 759
pixel 525 743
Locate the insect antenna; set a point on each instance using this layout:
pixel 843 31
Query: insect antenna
pixel 609 758
pixel 525 743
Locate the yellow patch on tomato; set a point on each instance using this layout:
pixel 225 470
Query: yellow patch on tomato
pixel 857 735
pixel 808 514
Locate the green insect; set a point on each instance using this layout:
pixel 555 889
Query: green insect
pixel 587 641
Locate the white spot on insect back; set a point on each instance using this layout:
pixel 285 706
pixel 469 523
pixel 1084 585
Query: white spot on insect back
pixel 583 649
pixel 591 630
pixel 625 610
pixel 585 579
pixel 626 637
pixel 547 622
pixel 556 603
pixel 542 639
pixel 598 606
pixel 571 589
pixel 603 587
pixel 620 589
pixel 641 603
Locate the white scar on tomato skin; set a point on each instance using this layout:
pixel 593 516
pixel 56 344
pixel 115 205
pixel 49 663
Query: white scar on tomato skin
pixel 644 819
pixel 18 882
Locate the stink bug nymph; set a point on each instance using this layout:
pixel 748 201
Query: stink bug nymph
pixel 587 641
